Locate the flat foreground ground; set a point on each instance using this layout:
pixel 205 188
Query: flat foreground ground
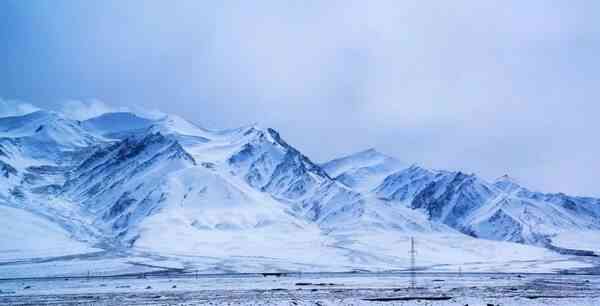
pixel 307 289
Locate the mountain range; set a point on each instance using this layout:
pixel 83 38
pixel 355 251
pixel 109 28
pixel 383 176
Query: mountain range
pixel 244 200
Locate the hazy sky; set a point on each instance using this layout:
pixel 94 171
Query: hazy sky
pixel 490 87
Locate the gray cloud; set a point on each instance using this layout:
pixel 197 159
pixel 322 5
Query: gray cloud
pixel 85 109
pixel 490 87
pixel 15 108
pixel 81 110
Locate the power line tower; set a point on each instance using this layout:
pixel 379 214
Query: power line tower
pixel 413 272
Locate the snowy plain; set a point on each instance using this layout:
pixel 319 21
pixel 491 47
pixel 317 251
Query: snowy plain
pixel 308 289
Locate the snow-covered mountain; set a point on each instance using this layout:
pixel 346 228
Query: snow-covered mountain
pixel 46 127
pixel 503 210
pixel 172 188
pixel 362 171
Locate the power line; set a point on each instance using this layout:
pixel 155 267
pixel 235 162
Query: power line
pixel 413 272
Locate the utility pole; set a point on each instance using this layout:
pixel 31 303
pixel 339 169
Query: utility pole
pixel 413 273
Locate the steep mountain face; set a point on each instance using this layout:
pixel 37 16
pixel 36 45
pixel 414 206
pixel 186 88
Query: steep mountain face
pixel 452 197
pixel 123 181
pixel 447 197
pixel 119 182
pixel 35 151
pixel 268 163
pixel 405 185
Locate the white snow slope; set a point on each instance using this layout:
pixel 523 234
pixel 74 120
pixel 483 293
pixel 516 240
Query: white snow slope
pixel 24 235
pixel 364 170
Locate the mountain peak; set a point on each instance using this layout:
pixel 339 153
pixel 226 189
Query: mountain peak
pixel 39 116
pixel 42 113
pixel 177 121
pixel 123 115
pixel 44 126
pixel 371 152
pixel 366 158
pixel 118 122
pixel 175 124
pixel 363 170
pixel 507 183
pixel 507 178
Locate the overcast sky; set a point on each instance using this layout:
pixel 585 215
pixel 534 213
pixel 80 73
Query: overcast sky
pixel 490 87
